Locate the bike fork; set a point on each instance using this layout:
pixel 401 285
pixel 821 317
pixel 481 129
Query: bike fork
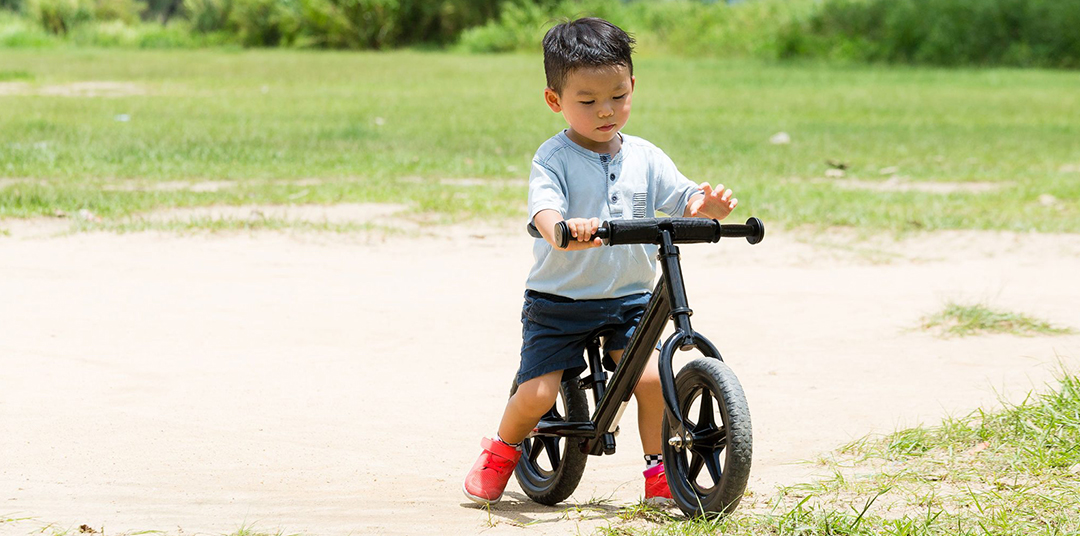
pixel 684 338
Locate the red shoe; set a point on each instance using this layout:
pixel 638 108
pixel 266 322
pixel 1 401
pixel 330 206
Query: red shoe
pixel 656 488
pixel 488 477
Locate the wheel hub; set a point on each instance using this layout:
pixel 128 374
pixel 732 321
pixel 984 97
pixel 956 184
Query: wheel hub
pixel 682 441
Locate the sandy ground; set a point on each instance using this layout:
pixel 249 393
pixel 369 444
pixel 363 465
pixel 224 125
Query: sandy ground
pixel 340 384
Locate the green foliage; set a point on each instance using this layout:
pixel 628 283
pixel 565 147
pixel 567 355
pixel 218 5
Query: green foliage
pixel 208 16
pixel 381 24
pixel 266 23
pixel 162 10
pixel 326 25
pixel 350 24
pixel 942 32
pixel 370 23
pixel 174 35
pixel 939 32
pixel 126 11
pixel 683 27
pixel 520 26
pixel 144 35
pixel 20 32
pixel 64 17
pixel 60 16
pixel 442 22
pixel 346 24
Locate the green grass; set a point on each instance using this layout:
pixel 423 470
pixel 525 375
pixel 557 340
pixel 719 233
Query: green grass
pixel 9 76
pixel 962 320
pixel 1015 471
pixel 384 127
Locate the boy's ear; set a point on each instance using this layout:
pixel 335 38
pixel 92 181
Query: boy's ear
pixel 552 100
pixel 632 80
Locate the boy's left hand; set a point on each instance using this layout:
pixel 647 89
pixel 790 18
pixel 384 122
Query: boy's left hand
pixel 715 204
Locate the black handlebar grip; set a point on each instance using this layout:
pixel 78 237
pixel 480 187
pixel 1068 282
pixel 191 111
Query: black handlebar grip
pixel 753 230
pixel 757 230
pixel 637 231
pixel 691 230
pixel 562 235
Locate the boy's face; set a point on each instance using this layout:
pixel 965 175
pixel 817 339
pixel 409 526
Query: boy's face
pixel 596 103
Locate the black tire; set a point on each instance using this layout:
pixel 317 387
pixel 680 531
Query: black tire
pixel 551 467
pixel 709 475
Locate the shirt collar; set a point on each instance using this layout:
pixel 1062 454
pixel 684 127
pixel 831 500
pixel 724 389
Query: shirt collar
pixel 592 154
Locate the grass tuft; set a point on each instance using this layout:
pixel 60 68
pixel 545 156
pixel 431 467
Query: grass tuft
pixel 1015 471
pixel 961 320
pixel 643 511
pixel 249 530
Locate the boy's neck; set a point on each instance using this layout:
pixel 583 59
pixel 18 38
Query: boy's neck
pixel 611 147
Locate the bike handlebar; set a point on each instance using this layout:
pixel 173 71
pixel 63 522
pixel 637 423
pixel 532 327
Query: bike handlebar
pixel 648 231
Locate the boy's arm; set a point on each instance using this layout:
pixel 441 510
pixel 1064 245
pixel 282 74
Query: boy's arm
pixel 715 204
pixel 580 228
pixel 674 189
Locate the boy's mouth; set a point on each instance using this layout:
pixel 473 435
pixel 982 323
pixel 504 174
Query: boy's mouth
pixel 606 128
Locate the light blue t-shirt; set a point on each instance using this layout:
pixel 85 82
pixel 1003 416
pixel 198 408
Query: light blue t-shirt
pixel 578 183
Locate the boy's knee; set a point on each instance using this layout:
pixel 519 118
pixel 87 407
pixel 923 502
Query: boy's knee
pixel 649 384
pixel 538 395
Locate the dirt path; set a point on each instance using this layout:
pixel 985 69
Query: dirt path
pixel 328 384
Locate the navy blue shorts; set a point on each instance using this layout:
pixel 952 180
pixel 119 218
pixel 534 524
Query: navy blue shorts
pixel 555 330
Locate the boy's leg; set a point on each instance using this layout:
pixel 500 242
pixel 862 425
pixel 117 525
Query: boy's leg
pixel 650 402
pixel 531 401
pixel 487 479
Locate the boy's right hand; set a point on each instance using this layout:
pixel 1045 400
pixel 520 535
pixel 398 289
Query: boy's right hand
pixel 582 230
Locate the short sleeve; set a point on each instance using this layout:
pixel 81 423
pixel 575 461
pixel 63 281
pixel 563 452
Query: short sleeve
pixel 545 190
pixel 673 189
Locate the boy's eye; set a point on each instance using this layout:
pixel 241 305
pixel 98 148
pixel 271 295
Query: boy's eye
pixel 586 103
pixel 620 96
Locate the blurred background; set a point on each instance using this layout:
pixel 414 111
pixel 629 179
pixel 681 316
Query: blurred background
pixel 1026 33
pixel 892 115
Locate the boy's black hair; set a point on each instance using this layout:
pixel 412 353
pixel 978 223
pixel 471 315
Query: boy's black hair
pixel 586 42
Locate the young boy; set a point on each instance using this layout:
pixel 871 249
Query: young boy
pixel 585 174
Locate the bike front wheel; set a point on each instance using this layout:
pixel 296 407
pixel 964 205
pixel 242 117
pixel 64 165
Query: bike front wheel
pixel 707 467
pixel 551 467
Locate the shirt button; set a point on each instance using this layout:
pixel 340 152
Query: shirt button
pixel 612 176
pixel 614 198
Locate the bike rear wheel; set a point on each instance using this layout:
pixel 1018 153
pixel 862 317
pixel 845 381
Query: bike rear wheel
pixel 551 467
pixel 707 468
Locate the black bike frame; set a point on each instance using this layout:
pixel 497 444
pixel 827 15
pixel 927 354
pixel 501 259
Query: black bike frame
pixel 668 301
